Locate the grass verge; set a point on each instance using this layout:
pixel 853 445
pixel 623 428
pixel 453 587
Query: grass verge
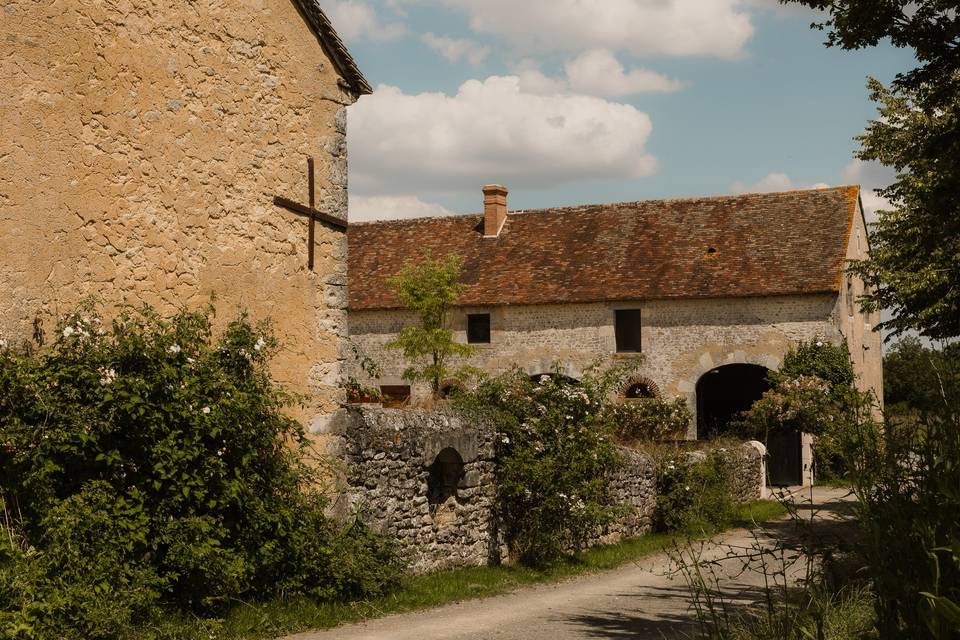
pixel 269 620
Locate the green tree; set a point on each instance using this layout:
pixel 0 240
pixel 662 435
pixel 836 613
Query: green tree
pixel 914 266
pixel 430 288
pixel 921 380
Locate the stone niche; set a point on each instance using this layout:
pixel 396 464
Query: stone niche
pixel 426 478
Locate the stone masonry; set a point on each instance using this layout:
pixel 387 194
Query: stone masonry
pixel 396 464
pixel 142 146
pixel 682 339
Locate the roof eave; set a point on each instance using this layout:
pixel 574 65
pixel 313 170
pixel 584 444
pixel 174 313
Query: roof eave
pixel 334 47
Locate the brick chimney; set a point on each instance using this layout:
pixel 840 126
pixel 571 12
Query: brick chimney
pixel 494 209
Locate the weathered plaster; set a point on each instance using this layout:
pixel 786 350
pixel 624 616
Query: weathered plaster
pixel 142 145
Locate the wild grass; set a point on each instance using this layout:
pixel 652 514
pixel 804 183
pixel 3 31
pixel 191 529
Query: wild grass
pixel 269 620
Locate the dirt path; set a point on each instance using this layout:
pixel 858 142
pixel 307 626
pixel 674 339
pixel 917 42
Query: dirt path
pixel 635 601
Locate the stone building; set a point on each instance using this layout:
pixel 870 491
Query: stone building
pixel 708 293
pixel 142 148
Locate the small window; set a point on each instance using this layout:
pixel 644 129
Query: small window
pixel 627 329
pixel 395 396
pixel 478 328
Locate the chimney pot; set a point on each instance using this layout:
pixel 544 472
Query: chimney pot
pixel 494 209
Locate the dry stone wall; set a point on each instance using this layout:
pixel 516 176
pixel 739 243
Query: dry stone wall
pixel 634 485
pixel 428 479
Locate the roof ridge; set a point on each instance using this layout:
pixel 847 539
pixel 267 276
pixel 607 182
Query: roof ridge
pixel 574 207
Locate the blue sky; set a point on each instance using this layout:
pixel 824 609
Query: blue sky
pixel 572 101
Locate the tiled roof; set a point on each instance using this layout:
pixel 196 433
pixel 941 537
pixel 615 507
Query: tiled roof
pixel 757 244
pixel 333 45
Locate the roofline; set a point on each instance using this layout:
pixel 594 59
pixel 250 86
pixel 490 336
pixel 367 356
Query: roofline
pixel 863 219
pixel 780 294
pixel 334 47
pixel 606 204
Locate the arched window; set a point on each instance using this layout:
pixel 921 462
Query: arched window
pixel 450 387
pixel 640 388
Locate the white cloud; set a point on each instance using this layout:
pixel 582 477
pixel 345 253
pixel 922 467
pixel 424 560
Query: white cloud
pixel 393 208
pixel 456 49
pixel 533 80
pixel 717 28
pixel 770 182
pixel 355 20
pixel 870 176
pixel 773 182
pixel 598 72
pixel 492 131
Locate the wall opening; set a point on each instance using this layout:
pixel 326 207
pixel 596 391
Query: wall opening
pixel 639 388
pixel 395 396
pixel 451 388
pixel 445 475
pixel 724 392
pixel 478 328
pixel 627 329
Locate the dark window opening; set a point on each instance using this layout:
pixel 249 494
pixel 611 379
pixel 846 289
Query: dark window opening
pixel 395 395
pixel 627 329
pixel 640 390
pixel 478 328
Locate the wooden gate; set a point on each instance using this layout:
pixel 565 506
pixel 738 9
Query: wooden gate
pixel 785 464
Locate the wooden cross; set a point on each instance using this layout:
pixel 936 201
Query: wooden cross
pixel 311 213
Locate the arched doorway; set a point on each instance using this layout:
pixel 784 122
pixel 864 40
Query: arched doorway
pixel 723 392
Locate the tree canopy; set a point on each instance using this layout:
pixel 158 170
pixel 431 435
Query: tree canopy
pixel 914 266
pixel 430 288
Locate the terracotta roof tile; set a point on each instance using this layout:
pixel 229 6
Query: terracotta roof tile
pixel 729 246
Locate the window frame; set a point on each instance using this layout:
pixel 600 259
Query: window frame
pixel 634 333
pixel 489 328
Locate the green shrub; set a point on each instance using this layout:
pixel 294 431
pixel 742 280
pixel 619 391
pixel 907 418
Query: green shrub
pixel 150 461
pixel 819 359
pixel 650 420
pixel 694 491
pixel 554 455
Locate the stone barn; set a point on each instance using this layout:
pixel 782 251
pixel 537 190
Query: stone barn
pixel 711 292
pixel 143 149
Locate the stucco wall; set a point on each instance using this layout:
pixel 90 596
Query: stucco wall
pixel 682 339
pixel 142 146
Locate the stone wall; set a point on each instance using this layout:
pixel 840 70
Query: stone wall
pixel 749 472
pixel 396 482
pixel 395 478
pixel 865 342
pixel 682 339
pixel 635 486
pixel 142 146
